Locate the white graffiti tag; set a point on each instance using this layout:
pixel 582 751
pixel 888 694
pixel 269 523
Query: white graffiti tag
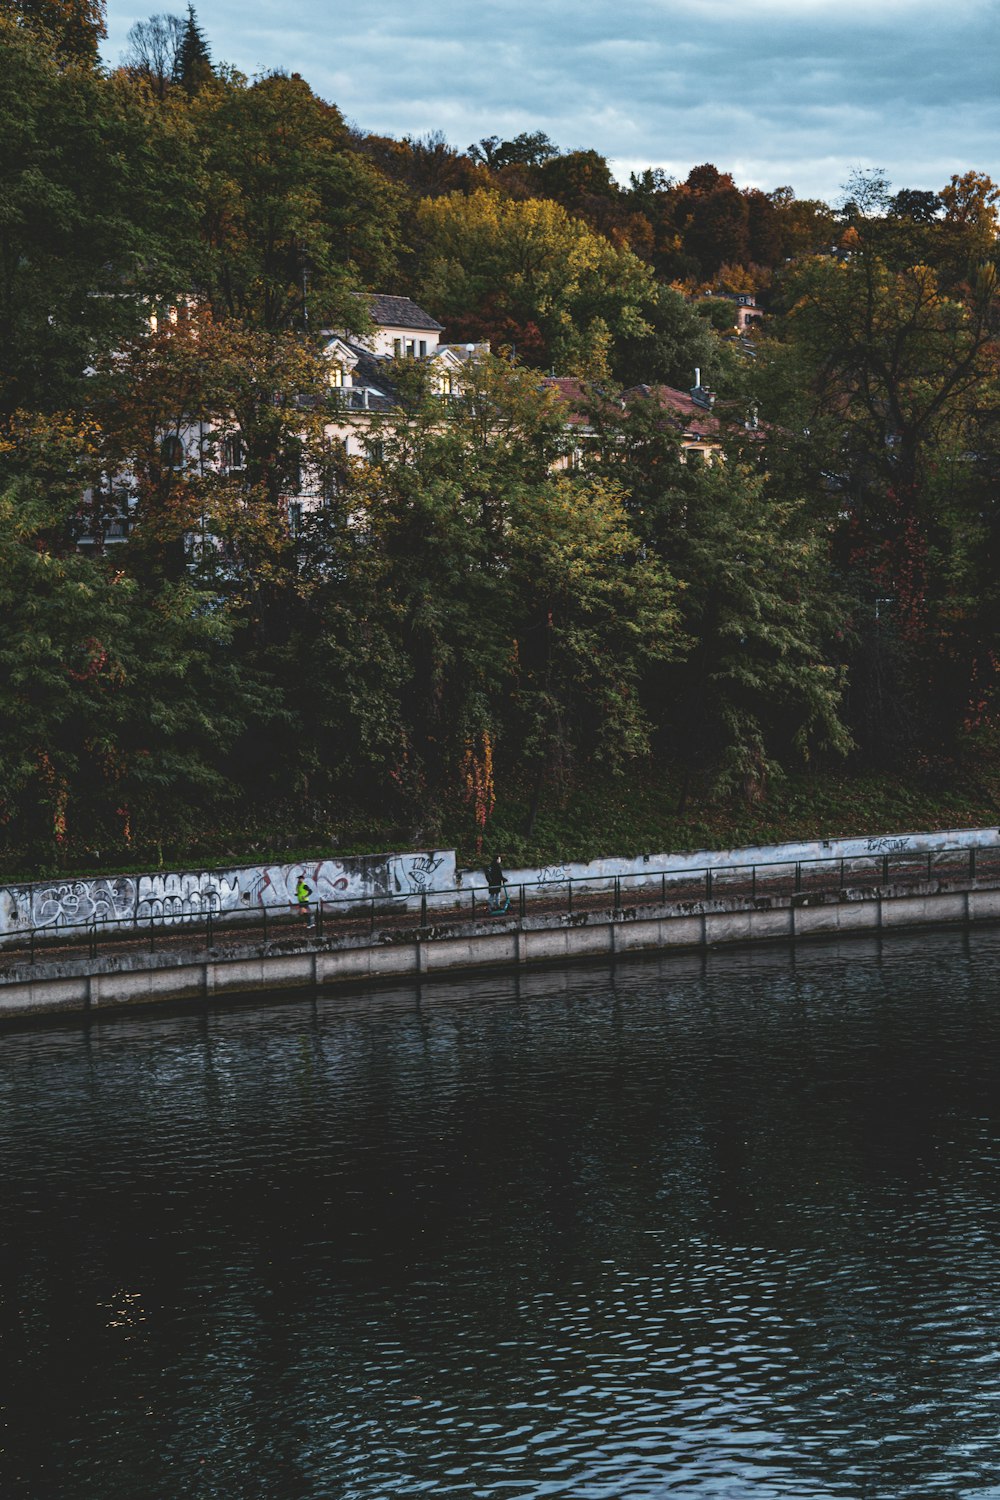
pixel 78 902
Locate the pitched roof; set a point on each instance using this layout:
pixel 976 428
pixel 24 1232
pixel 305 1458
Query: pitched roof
pixel 687 412
pixel 689 416
pixel 399 312
pixel 573 395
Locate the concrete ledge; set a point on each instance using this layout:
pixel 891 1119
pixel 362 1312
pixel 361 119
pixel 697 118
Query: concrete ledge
pixel 133 978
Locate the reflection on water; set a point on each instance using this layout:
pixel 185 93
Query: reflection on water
pixel 725 1229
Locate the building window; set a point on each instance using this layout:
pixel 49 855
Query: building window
pixel 397 348
pixel 295 517
pixel 423 348
pixel 232 451
pixel 374 451
pixel 444 383
pixel 172 452
pixel 410 348
pixel 336 375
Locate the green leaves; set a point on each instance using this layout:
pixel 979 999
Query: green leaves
pixel 116 707
pixel 526 272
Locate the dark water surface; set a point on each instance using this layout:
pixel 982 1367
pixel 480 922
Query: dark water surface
pixel 725 1229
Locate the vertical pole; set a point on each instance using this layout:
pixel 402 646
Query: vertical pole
pixel 885 869
pixel 569 895
pixel 618 893
pixel 319 918
pixel 708 884
pixel 521 902
pixel 663 888
pixel 208 928
pixel 972 863
pixel 423 908
pixel 371 917
pixel 263 907
pixel 798 875
pixel 753 883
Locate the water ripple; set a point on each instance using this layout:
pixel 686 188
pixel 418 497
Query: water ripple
pixel 715 1229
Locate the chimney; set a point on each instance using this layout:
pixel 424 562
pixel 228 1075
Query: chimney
pixel 700 394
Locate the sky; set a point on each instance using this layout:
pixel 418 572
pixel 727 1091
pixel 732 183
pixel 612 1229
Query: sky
pixel 777 92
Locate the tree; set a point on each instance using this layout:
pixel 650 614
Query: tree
pixel 119 708
pixel 508 610
pixel 293 221
pixel 677 343
pixel 527 273
pixel 897 364
pixel 152 52
pixel 73 27
pixel 94 187
pixel 529 149
pixel 762 687
pixel 192 63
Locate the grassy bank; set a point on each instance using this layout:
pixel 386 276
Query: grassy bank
pixel 635 814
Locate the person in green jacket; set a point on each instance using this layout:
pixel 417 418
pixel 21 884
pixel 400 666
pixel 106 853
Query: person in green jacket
pixel 302 894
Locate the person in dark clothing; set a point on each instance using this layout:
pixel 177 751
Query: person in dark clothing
pixel 495 881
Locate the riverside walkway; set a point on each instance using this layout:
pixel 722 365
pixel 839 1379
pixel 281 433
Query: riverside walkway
pixel 380 920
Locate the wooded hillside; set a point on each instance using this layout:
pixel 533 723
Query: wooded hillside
pixel 484 607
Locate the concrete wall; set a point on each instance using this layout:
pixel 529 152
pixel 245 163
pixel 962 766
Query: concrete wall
pixel 176 897
pixel 402 880
pixel 133 978
pixel 647 870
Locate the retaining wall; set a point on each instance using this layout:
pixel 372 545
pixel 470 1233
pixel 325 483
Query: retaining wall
pixel 131 979
pixel 403 881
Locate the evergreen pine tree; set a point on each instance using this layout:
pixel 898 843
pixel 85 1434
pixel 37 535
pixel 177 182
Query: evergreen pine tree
pixel 193 65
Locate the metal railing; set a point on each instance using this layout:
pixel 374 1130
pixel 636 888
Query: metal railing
pixel 439 910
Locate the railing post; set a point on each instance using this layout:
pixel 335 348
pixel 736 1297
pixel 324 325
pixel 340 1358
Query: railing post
pixel 319 918
pixel 753 882
pixel 423 908
pixel 618 893
pixel 885 869
pixel 708 884
pixel 93 939
pixel 569 895
pixel 972 862
pixel 663 888
pixel 208 929
pixel 371 917
pixel 263 907
pixel 521 902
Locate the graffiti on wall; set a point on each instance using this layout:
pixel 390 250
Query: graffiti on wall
pixel 886 845
pixel 416 874
pixel 72 903
pixel 173 898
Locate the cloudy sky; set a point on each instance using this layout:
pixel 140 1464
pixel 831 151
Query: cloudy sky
pixel 797 92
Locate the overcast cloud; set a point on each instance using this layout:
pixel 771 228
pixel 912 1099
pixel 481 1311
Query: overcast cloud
pixel 775 91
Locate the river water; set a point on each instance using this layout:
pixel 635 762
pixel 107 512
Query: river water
pixel 715 1229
